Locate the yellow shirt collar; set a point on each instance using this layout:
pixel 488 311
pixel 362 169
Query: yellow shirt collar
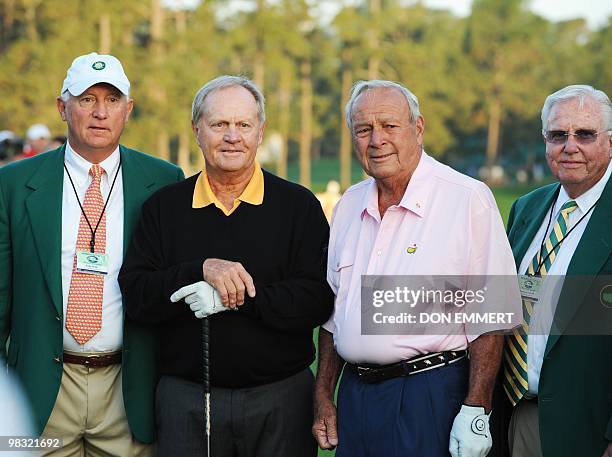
pixel 253 193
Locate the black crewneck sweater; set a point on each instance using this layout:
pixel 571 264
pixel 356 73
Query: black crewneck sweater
pixel 281 243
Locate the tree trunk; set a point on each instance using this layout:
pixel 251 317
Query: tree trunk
pixel 163 144
pixel 157 29
pixel 127 38
pixel 258 69
pixel 345 135
pixel 8 20
pixel 306 122
pixel 493 132
pixel 284 98
pixel 258 62
pixel 183 152
pixel 374 60
pixel 181 20
pixel 158 92
pixel 235 64
pixel 30 16
pixel 373 67
pixel 184 159
pixel 105 34
pixel 199 160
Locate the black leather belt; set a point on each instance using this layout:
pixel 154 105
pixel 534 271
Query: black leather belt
pixel 370 373
pixel 94 361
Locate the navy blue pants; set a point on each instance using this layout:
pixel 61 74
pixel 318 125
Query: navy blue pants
pixel 409 416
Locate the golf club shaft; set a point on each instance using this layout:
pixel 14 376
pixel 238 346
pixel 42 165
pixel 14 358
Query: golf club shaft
pixel 206 380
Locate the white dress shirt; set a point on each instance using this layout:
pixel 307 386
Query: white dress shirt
pixel 544 311
pixel 110 337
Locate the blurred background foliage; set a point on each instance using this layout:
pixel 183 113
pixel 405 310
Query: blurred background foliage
pixel 481 79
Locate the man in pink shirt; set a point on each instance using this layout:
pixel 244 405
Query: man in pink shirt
pixel 408 395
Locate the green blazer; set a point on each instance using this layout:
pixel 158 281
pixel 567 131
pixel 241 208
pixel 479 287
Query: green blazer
pixel 31 285
pixel 575 389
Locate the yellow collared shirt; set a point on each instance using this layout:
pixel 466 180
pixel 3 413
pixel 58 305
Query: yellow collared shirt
pixel 253 193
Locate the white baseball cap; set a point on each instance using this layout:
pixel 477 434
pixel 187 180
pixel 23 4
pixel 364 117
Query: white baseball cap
pixel 38 131
pixel 6 135
pixel 95 68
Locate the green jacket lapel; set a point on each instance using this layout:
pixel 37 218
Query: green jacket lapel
pixel 530 220
pixel 136 188
pixel 591 254
pixel 44 208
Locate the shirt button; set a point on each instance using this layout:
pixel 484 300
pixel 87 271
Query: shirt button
pixel 56 359
pixel 379 252
pixel 59 318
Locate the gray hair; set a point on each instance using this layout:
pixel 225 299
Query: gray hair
pixel 362 86
pixel 224 82
pixel 65 96
pixel 581 92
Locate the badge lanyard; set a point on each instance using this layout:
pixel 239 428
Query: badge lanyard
pixel 552 210
pixel 531 285
pixel 92 241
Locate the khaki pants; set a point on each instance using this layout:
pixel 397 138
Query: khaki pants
pixel 524 430
pixel 89 415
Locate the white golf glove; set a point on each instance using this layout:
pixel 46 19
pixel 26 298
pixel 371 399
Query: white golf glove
pixel 470 435
pixel 202 298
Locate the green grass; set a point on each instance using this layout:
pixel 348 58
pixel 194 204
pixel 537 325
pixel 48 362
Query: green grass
pixel 504 196
pixel 322 171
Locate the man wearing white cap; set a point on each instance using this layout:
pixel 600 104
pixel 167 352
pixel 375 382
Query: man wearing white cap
pixel 38 139
pixel 66 217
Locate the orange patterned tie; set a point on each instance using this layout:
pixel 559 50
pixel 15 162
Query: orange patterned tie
pixel 84 313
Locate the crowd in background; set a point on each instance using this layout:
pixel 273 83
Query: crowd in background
pixel 38 138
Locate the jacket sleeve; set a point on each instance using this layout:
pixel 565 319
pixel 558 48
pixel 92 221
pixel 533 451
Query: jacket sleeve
pixel 6 259
pixel 304 300
pixel 511 217
pixel 145 279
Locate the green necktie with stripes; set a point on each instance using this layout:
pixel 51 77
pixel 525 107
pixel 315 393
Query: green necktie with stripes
pixel 515 351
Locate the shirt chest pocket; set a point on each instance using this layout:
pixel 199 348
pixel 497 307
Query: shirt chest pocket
pixel 342 274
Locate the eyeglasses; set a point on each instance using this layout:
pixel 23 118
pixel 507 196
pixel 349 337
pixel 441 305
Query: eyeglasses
pixel 582 136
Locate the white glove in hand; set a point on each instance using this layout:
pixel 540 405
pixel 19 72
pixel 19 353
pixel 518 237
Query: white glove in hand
pixel 202 298
pixel 470 435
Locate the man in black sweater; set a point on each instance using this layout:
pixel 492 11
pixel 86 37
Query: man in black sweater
pixel 261 243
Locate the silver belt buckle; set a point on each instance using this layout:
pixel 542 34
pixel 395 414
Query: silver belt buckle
pixel 361 371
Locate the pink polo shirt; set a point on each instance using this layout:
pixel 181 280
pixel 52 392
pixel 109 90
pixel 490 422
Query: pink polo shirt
pixel 453 227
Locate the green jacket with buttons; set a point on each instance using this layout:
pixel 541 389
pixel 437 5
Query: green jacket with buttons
pixel 31 285
pixel 575 387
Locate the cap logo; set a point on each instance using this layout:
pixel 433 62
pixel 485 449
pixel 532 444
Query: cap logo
pixel 99 65
pixel 605 296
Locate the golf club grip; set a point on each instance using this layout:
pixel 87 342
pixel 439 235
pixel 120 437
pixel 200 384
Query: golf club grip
pixel 206 381
pixel 206 354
